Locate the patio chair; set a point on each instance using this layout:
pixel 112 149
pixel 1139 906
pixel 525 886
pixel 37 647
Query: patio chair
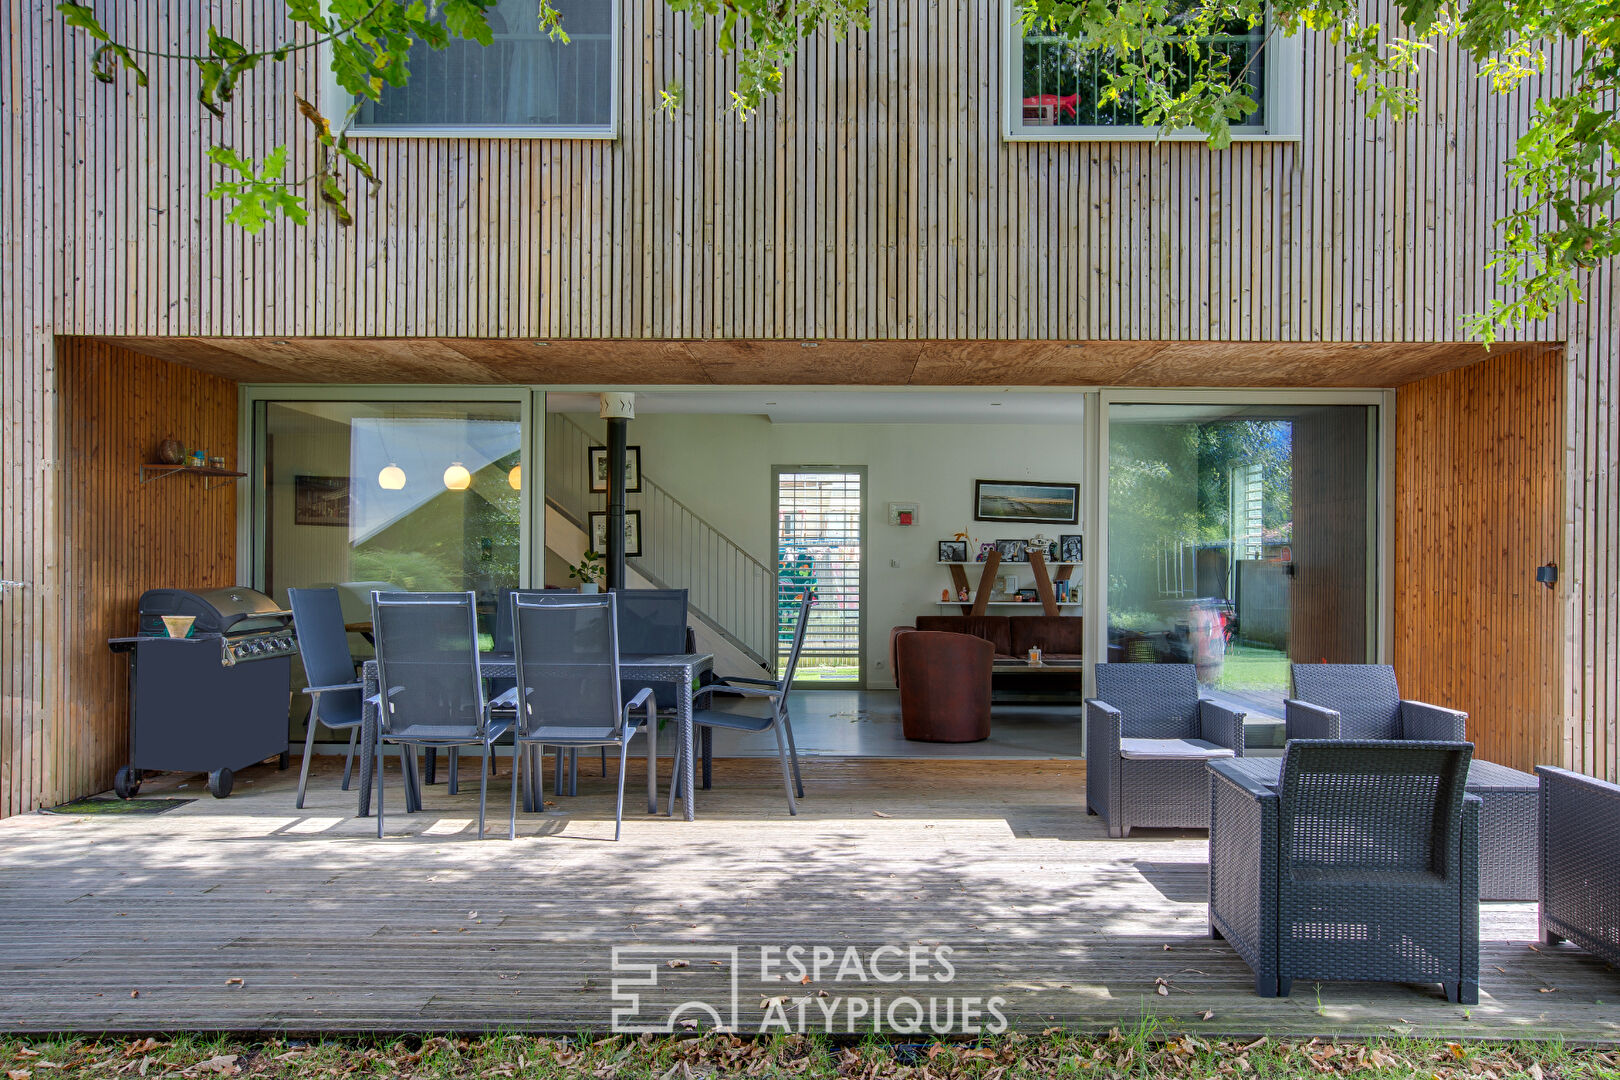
pixel 1580 861
pixel 652 622
pixel 1360 863
pixel 1148 735
pixel 776 721
pixel 431 691
pixel 329 667
pixel 568 688
pixel 1363 701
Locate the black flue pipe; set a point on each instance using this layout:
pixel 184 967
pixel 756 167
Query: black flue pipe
pixel 618 433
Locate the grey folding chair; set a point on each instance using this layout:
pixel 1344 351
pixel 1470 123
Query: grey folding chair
pixel 431 690
pixel 567 693
pixel 329 666
pixel 775 721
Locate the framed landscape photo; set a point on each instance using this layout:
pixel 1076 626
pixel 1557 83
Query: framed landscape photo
pixel 953 551
pixel 632 469
pixel 321 500
pixel 1071 549
pixel 632 533
pixel 1026 502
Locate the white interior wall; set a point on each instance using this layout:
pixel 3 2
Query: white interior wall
pixel 721 467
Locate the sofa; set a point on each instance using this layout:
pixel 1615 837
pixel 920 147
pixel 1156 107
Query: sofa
pixel 1059 637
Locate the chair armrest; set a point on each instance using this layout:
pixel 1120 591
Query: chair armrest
pixel 751 691
pixel 1423 722
pixel 333 689
pixel 1104 728
pixel 509 699
pixel 1220 725
pixel 726 680
pixel 1303 720
pixel 1224 771
pixel 643 696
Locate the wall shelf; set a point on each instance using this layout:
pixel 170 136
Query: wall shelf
pixel 150 473
pixel 1045 584
pixel 1034 605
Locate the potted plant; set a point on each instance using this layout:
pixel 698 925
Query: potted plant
pixel 588 572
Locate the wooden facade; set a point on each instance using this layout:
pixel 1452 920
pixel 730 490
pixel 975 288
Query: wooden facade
pixel 874 202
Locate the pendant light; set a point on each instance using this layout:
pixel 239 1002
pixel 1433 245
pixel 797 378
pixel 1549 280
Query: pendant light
pixel 392 477
pixel 456 477
pixel 515 478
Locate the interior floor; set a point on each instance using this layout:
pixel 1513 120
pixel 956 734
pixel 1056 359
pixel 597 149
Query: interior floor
pixel 866 723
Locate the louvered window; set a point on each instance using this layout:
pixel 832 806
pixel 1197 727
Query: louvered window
pixel 819 553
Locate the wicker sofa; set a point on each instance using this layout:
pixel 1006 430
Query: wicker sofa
pixel 1580 861
pixel 1361 862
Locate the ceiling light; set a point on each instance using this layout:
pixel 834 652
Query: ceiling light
pixel 515 478
pixel 456 477
pixel 809 344
pixel 392 477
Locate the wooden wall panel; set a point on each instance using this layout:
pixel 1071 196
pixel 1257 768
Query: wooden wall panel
pixel 123 537
pixel 874 200
pixel 1479 496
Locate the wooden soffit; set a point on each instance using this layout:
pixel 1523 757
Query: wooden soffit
pixel 811 363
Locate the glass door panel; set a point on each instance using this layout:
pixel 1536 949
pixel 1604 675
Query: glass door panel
pixel 1241 539
pixel 819 553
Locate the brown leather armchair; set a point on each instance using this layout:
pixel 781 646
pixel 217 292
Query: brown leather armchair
pixel 944 685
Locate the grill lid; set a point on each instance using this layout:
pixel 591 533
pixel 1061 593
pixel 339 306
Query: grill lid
pixel 218 611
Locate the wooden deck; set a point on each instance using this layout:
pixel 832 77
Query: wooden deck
pixel 328 928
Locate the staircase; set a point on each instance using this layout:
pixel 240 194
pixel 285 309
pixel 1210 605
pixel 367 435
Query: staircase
pixel 730 593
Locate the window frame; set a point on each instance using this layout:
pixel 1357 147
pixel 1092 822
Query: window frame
pixel 335 101
pixel 1284 104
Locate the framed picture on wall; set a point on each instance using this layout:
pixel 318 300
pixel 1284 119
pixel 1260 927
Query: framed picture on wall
pixel 1028 502
pixel 1071 548
pixel 632 533
pixel 632 469
pixel 321 500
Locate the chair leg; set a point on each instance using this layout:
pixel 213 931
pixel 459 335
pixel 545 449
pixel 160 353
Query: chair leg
pixel 309 751
pixel 618 807
pixel 706 738
pixel 651 731
pixel 348 760
pixel 604 761
pixel 483 793
pixel 675 777
pixel 455 770
pixel 793 753
pixel 1285 986
pixel 787 770
pixel 379 772
pixel 517 779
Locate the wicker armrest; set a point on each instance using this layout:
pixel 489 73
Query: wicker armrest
pixel 1104 729
pixel 1303 720
pixel 1224 771
pixel 1431 723
pixel 1220 725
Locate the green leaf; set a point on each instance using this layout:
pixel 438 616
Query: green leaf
pixel 82 17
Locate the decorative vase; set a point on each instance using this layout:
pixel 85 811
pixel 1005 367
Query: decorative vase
pixel 589 587
pixel 170 452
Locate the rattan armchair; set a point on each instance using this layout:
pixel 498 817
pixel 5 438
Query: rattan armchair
pixel 1148 737
pixel 1363 701
pixel 1580 861
pixel 1360 863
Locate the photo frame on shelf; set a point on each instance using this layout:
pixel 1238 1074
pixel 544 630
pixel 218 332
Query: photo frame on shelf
pixel 1013 550
pixel 632 469
pixel 632 532
pixel 953 551
pixel 1071 548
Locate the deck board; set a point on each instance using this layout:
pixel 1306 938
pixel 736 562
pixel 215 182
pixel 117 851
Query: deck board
pixel 330 929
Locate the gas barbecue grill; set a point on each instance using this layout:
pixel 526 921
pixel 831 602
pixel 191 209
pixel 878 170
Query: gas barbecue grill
pixel 214 701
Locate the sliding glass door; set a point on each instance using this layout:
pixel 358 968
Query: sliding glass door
pixel 1242 538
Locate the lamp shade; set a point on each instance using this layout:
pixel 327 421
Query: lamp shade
pixel 392 477
pixel 515 478
pixel 456 477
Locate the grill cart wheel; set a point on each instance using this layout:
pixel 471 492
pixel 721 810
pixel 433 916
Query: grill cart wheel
pixel 126 782
pixel 219 783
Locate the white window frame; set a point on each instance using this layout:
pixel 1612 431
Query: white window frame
pixel 336 102
pixel 1284 104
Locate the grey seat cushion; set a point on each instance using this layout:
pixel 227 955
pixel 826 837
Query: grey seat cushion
pixel 1171 750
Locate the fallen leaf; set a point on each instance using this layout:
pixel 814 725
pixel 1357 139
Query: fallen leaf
pixel 1456 1050
pixel 1535 1071
pixel 805 981
pixel 879 813
pixel 677 963
pixel 1167 948
pixel 234 981
pixel 1547 990
pixel 224 1064
pixel 766 1003
pixel 134 993
pixel 472 914
pixel 1208 1014
pixel 688 1023
pixel 1161 987
pixel 18 1074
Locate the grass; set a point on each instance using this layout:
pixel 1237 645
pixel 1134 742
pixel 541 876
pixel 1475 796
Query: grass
pixel 1144 1052
pixel 1250 667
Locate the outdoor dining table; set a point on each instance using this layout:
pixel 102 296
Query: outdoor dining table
pixel 679 669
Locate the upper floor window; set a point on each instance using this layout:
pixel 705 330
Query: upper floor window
pixel 1056 92
pixel 524 84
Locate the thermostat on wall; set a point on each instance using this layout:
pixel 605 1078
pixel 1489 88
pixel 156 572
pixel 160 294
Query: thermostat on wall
pixel 903 513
